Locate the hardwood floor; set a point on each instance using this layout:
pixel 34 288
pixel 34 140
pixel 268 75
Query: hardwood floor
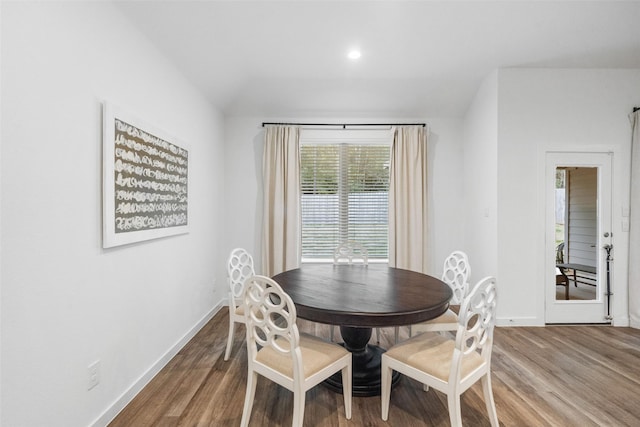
pixel 552 376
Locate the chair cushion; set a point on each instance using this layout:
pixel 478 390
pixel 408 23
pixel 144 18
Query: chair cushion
pixel 432 353
pixel 316 355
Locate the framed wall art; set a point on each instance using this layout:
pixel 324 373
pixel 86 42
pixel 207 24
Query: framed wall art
pixel 145 181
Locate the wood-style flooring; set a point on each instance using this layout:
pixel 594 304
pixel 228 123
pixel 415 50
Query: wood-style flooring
pixel 552 376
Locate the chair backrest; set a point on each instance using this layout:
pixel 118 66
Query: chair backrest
pixel 239 268
pixel 560 253
pixel 476 322
pixel 270 317
pixel 350 252
pixel 456 274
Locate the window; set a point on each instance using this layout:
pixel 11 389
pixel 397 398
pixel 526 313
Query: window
pixel 345 193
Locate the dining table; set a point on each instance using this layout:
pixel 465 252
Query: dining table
pixel 358 297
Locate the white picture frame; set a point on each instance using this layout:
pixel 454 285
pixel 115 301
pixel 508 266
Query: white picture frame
pixel 145 180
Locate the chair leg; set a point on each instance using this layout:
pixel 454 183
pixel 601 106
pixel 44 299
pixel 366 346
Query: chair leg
pixel 378 336
pixel 232 326
pixel 488 399
pixel 455 413
pixel 385 389
pixel 252 380
pixel 298 406
pixel 347 376
pixel 396 334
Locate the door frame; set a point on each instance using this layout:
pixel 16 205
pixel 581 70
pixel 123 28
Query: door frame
pixel 574 311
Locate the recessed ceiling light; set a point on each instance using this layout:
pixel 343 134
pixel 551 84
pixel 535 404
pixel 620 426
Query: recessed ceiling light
pixel 354 54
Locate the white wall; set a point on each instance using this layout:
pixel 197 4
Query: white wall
pixel 243 178
pixel 562 109
pixel 243 175
pixel 0 221
pixel 446 187
pixel 66 302
pixel 480 181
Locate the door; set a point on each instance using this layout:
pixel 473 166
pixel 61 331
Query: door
pixel 578 231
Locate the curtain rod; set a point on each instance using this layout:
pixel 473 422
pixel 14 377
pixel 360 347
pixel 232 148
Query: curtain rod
pixel 344 125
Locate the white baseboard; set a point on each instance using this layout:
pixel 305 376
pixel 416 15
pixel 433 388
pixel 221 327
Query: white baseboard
pixel 110 413
pixel 533 321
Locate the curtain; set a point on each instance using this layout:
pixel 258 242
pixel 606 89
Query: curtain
pixel 281 204
pixel 634 221
pixel 408 199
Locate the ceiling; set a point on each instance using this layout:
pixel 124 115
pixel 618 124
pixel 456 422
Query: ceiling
pixel 419 58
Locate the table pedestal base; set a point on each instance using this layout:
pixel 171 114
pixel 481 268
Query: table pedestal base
pixel 366 361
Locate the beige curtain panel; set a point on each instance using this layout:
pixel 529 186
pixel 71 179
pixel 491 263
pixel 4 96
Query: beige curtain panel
pixel 634 230
pixel 408 199
pixel 281 207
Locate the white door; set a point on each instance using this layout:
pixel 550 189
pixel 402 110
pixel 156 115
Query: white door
pixel 583 224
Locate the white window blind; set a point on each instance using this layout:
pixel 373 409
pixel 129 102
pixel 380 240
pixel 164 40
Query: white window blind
pixel 345 194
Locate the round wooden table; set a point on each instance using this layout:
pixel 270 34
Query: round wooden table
pixel 361 297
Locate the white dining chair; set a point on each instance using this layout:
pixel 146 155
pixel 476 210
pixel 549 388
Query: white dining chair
pixel 239 268
pixel 448 365
pixel 456 274
pixel 278 351
pixel 350 252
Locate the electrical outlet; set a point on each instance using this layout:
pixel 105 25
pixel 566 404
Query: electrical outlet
pixel 94 374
